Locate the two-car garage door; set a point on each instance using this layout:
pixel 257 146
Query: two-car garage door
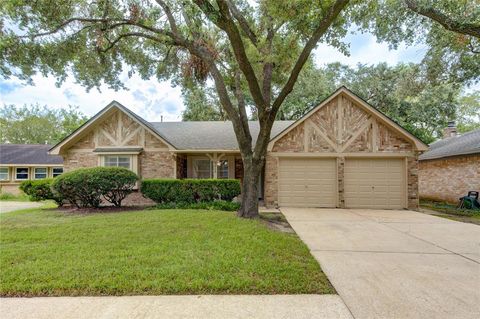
pixel 369 182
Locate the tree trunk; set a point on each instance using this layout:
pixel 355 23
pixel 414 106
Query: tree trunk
pixel 251 176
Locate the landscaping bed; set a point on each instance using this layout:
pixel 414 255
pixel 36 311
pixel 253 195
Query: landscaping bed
pixel 151 252
pixel 450 211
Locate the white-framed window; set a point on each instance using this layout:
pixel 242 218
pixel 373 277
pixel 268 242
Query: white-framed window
pixel 117 161
pixel 203 168
pixel 4 176
pixel 40 172
pixel 206 168
pixel 222 169
pixel 21 173
pixel 57 171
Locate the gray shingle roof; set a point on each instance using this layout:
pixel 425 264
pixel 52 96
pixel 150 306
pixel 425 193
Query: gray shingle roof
pixel 208 135
pixel 468 143
pixel 28 154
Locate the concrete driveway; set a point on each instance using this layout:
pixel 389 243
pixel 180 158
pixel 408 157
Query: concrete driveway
pixel 6 206
pixel 395 264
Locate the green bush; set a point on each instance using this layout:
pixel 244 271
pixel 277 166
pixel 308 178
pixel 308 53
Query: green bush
pixel 216 205
pixel 85 187
pixel 25 186
pixel 117 183
pixel 41 189
pixel 190 190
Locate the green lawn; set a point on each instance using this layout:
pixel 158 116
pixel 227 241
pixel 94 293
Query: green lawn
pixel 49 253
pixel 17 198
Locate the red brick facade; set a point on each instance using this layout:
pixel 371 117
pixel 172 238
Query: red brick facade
pixel 447 179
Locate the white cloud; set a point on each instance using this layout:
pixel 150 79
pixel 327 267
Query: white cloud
pixel 149 99
pixel 365 49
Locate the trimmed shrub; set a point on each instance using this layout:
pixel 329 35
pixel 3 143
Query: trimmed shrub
pixel 25 186
pixel 85 187
pixel 117 183
pixel 216 205
pixel 41 189
pixel 190 190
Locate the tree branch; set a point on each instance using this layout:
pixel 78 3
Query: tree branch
pixel 241 102
pixel 65 24
pixel 268 65
pixel 103 21
pixel 242 22
pixel 130 34
pixel 331 15
pixel 171 19
pixel 448 23
pixel 223 20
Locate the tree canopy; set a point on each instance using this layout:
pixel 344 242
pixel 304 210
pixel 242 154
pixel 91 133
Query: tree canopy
pixel 403 92
pixel 35 124
pixel 252 52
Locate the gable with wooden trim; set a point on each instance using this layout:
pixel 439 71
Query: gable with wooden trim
pixel 345 123
pixel 114 126
pixel 343 153
pixel 117 132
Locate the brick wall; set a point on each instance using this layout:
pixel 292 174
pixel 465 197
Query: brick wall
pixel 151 164
pixel 412 182
pixel 342 126
pixel 292 142
pixel 341 180
pixel 271 181
pixel 154 164
pixel 449 178
pixel 11 188
pixel 74 160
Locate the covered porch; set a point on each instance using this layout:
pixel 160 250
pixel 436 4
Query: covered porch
pixel 201 164
pixel 212 164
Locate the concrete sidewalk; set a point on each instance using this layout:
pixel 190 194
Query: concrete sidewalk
pixel 207 306
pixel 7 206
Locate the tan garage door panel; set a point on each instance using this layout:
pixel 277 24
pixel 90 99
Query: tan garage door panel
pixel 307 183
pixel 375 183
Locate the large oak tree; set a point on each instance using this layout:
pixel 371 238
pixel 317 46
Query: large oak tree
pixel 252 51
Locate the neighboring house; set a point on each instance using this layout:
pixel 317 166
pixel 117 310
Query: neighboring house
pixel 343 153
pixel 451 167
pixel 20 162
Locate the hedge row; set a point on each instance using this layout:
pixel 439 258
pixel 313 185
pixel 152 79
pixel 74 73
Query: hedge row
pixel 190 190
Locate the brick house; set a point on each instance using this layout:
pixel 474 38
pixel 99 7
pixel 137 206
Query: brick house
pixel 451 167
pixel 343 153
pixel 21 162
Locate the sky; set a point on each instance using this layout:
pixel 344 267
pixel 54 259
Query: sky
pixel 152 99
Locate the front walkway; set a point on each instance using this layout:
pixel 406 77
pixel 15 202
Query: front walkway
pixel 10 206
pixel 395 264
pixel 147 307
